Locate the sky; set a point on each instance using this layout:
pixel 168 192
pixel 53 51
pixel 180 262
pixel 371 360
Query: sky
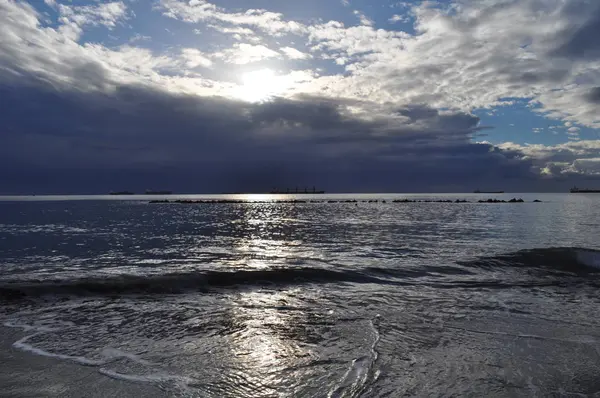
pixel 202 96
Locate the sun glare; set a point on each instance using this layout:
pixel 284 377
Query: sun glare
pixel 259 85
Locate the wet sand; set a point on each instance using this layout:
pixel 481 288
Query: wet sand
pixel 28 375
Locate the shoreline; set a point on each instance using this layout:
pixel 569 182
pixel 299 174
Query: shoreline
pixel 24 374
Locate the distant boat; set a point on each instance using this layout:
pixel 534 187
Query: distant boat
pixel 122 193
pixel 478 191
pixel 578 190
pixel 296 191
pixel 150 192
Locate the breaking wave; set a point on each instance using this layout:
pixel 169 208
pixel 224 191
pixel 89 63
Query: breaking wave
pixel 182 282
pixel 550 262
pixel 576 261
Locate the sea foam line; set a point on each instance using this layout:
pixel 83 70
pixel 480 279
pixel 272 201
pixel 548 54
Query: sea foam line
pixel 24 346
pixel 355 379
pixel 152 378
pixel 109 355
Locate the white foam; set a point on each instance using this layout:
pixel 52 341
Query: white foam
pixel 358 373
pixel 24 346
pixel 152 378
pixel 26 328
pixel 29 328
pixel 111 354
pixel 108 354
pixel 589 258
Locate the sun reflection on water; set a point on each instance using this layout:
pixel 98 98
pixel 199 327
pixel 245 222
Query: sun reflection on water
pixel 264 236
pixel 267 351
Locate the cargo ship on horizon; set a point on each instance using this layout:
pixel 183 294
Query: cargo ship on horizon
pixel 122 193
pixel 579 190
pixel 277 191
pixel 478 191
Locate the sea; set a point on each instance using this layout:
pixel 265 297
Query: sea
pixel 349 295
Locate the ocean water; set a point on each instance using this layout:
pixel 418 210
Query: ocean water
pixel 316 299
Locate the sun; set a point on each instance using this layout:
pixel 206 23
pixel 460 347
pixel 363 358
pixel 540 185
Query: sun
pixel 260 85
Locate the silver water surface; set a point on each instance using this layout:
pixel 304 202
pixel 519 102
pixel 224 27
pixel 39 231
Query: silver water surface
pixel 311 299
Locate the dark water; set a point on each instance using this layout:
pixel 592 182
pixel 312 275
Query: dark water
pixel 312 300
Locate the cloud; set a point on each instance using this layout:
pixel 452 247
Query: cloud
pixel 470 56
pixel 74 18
pixel 244 53
pixel 203 11
pixel 232 145
pixel 398 118
pixel 574 158
pixel 582 35
pixel 139 37
pixel 113 114
pixel 33 55
pixel 398 18
pixel 195 58
pixel 237 33
pixel 364 20
pixel 463 56
pixel 589 166
pixel 293 53
pixel 593 95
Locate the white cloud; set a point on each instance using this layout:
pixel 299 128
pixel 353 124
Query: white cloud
pixel 589 166
pixel 573 157
pixel 472 55
pixel 341 61
pixel 203 11
pixel 398 18
pixel 355 40
pixel 68 64
pixel 237 32
pixel 243 53
pixel 463 56
pixel 139 37
pixel 293 53
pixel 364 20
pixel 195 58
pixel 74 18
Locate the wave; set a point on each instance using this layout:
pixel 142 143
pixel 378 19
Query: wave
pixel 182 282
pixel 537 265
pixel 558 260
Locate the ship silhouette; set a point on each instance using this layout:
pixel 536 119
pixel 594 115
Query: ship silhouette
pixel 478 191
pixel 296 191
pixel 579 190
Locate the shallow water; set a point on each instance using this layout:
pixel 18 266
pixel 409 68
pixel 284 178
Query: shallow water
pixel 314 299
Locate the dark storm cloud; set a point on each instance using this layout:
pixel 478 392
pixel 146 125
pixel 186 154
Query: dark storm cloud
pixel 85 118
pixel 582 41
pixel 90 140
pixel 593 95
pixel 315 114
